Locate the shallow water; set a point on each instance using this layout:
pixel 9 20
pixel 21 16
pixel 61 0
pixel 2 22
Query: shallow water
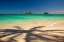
pixel 15 18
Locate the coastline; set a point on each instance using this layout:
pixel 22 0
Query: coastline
pixel 50 23
pixel 29 25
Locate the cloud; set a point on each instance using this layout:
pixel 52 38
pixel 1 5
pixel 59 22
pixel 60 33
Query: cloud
pixel 57 12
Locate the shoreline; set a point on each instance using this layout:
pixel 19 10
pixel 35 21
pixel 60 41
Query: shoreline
pixel 29 25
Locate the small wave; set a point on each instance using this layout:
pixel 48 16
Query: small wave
pixel 53 24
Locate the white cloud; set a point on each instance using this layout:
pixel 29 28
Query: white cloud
pixel 57 12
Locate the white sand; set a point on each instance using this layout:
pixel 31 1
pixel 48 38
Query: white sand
pixel 49 25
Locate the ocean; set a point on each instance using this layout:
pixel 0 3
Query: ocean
pixel 23 19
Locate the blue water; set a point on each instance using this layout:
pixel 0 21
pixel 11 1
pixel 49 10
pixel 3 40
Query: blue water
pixel 13 18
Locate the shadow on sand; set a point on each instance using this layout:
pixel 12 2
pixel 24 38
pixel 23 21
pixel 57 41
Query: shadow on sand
pixel 31 37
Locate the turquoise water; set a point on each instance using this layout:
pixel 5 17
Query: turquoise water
pixel 17 18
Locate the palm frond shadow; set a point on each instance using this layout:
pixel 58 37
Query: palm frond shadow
pixel 41 37
pixel 31 37
pixel 12 38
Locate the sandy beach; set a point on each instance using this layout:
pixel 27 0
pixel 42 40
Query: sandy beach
pixel 49 25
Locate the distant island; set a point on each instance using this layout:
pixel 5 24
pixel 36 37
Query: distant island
pixel 29 13
pixel 32 13
pixel 46 13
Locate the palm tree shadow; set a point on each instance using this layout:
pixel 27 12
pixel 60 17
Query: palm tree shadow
pixel 46 39
pixel 30 35
pixel 29 38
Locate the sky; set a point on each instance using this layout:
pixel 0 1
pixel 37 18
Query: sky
pixel 35 6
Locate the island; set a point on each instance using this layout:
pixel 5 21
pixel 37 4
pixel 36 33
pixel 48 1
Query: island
pixel 29 13
pixel 46 13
